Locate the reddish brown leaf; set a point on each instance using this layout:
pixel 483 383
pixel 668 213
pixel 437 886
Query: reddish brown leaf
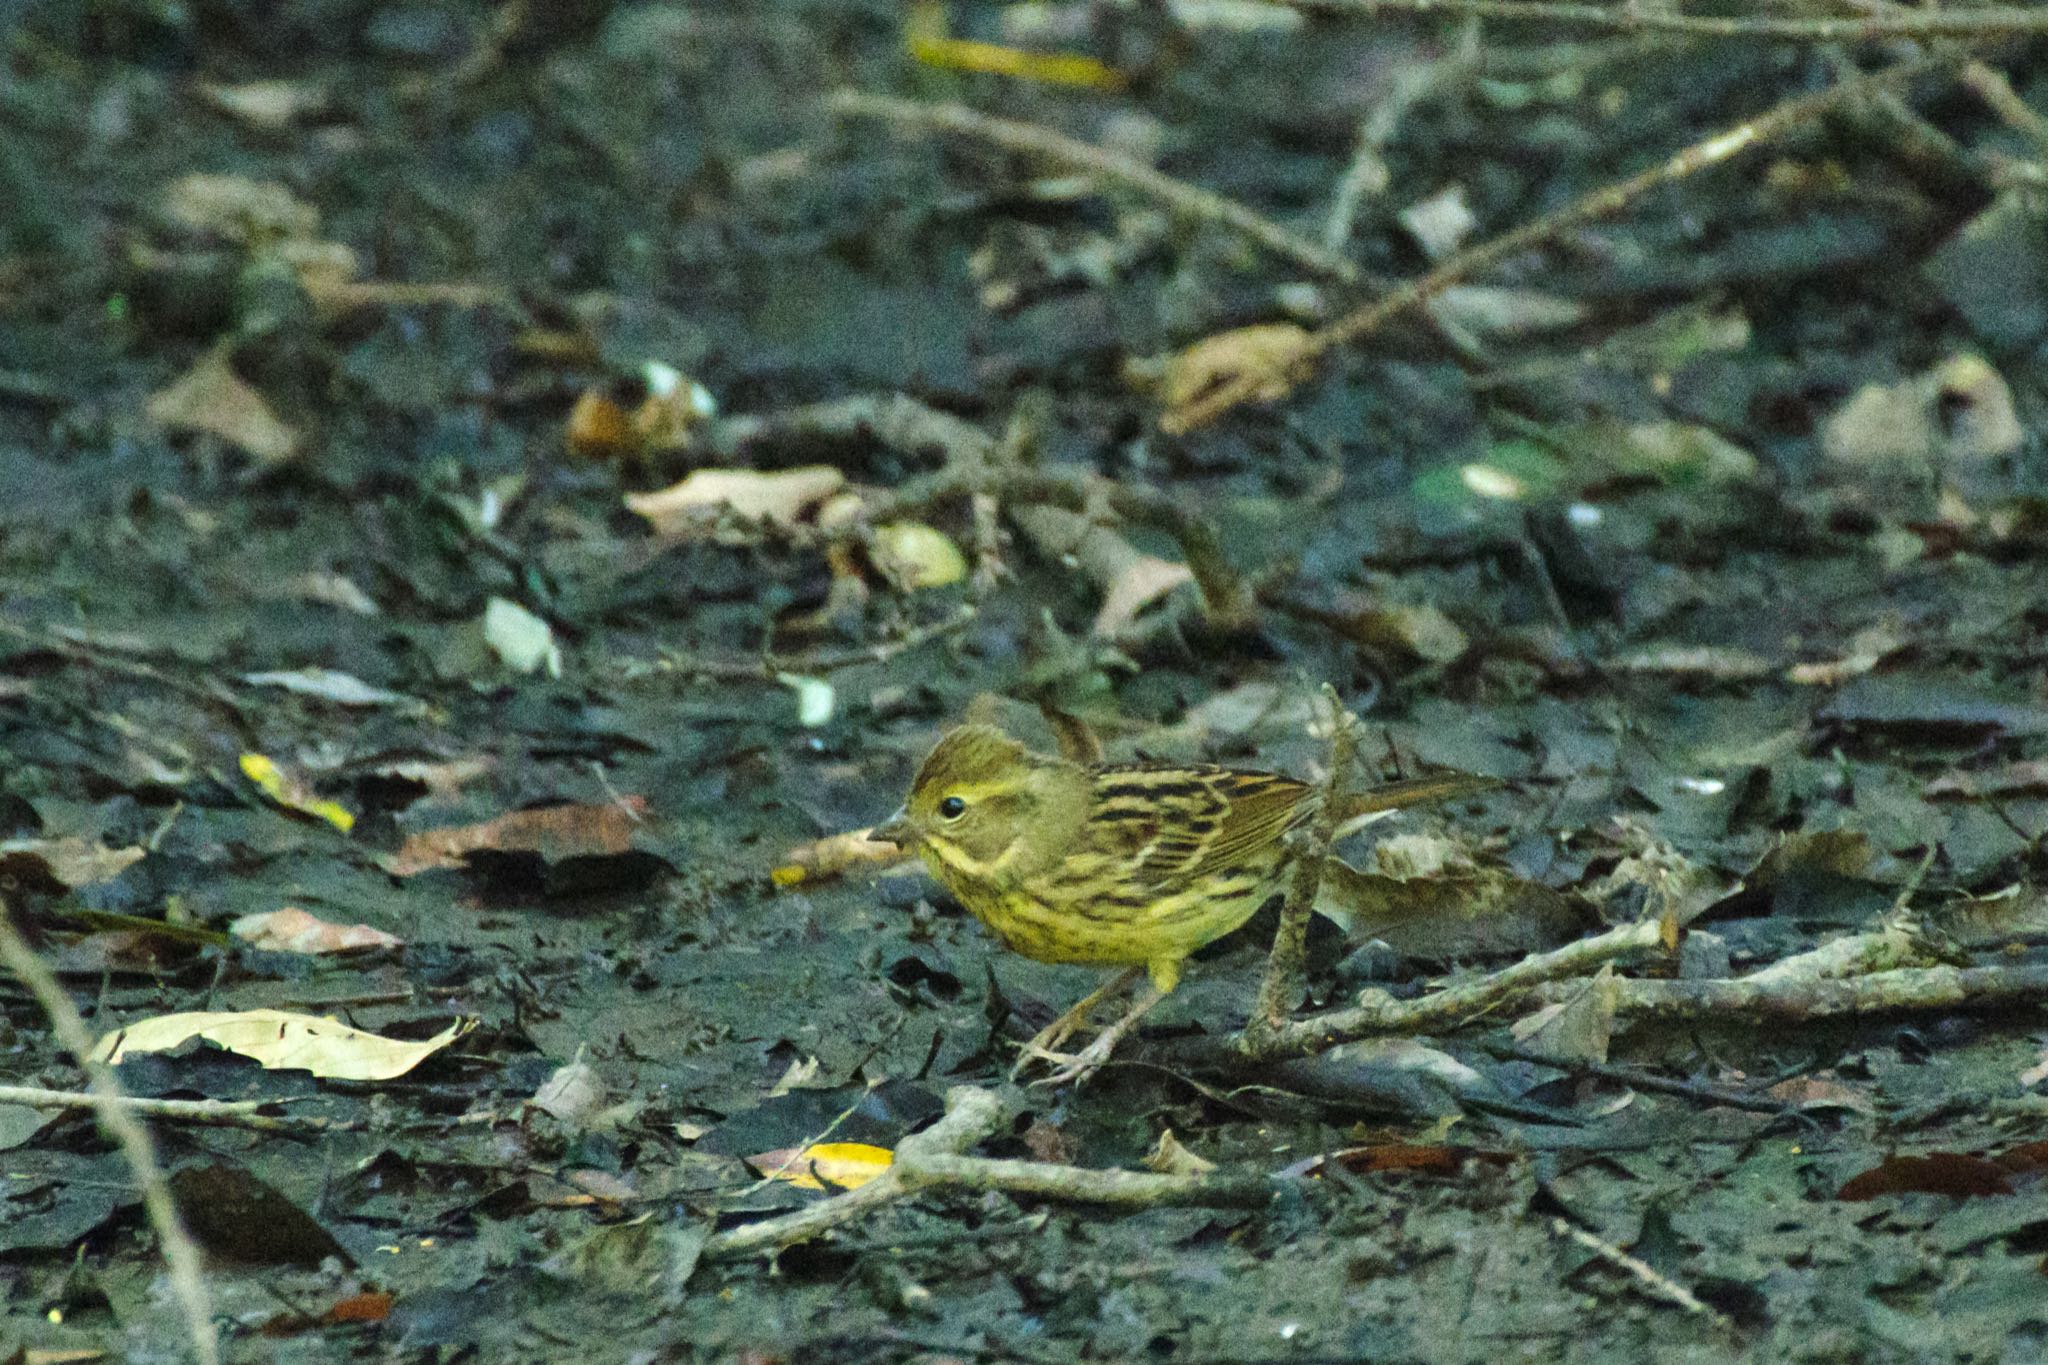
pixel 554 832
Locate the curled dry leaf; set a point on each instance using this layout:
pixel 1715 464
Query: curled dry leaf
pixel 280 1039
pixel 554 832
pixel 292 930
pixel 599 430
pixel 1169 1157
pixel 1270 354
pixel 63 864
pixel 833 855
pixel 708 500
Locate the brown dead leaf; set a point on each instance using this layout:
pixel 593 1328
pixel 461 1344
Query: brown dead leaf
pixel 211 398
pixel 1270 354
pixel 708 497
pixel 65 863
pixel 599 430
pixel 554 832
pixel 292 930
pixel 1814 1092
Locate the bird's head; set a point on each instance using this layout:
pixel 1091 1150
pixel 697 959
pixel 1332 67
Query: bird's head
pixel 983 800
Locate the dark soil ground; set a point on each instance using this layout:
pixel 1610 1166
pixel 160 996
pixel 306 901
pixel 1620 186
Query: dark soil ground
pixel 1712 527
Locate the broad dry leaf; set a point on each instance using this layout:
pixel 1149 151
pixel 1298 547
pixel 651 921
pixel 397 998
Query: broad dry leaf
pixel 1169 1157
pixel 848 1165
pixel 210 397
pixel 554 832
pixel 701 501
pixel 280 1039
pixel 292 930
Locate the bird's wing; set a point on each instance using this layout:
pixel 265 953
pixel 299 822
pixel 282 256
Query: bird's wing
pixel 1166 824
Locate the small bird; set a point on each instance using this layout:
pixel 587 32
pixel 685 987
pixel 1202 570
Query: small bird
pixel 1132 865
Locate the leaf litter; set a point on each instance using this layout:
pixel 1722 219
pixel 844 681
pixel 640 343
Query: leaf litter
pixel 1679 518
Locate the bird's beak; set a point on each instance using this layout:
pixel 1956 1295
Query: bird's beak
pixel 894 830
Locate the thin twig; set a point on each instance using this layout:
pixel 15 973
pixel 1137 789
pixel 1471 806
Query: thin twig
pixel 1907 988
pixel 1654 1282
pixel 1034 140
pixel 1897 22
pixel 1590 208
pixel 1083 1185
pixel 1282 984
pixel 1379 1014
pixel 1996 91
pixel 181 1255
pixel 971 1115
pixel 216 1113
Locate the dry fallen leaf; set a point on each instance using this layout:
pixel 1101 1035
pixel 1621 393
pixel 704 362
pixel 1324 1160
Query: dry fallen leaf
pixel 211 398
pixel 68 861
pixel 292 930
pixel 698 504
pixel 280 1039
pixel 554 832
pixel 1268 353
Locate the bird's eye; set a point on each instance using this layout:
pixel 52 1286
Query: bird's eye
pixel 952 808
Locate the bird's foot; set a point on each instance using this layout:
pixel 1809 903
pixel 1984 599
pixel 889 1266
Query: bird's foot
pixel 1077 1067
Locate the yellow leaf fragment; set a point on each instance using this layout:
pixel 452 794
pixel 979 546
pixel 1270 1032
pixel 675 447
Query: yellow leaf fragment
pixel 848 1165
pixel 293 794
pixel 280 1039
pixel 1047 68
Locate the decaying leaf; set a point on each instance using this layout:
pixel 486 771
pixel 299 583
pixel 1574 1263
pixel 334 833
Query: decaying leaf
pixel 292 930
pixel 1578 1029
pixel 554 832
pixel 709 501
pixel 211 398
pixel 238 208
pixel 1961 410
pixel 847 1165
pixel 280 1039
pixel 64 863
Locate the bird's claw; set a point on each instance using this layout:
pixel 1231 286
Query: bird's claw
pixel 1076 1067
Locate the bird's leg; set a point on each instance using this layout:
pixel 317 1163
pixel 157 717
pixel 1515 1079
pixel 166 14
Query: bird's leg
pixel 1084 1063
pixel 1040 1048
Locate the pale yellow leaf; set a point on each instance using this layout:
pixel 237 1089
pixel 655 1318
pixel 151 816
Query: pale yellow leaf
pixel 280 1039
